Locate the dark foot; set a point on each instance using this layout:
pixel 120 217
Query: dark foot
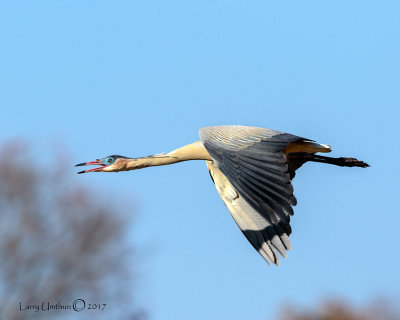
pixel 352 162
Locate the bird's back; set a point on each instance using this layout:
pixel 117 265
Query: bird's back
pixel 236 137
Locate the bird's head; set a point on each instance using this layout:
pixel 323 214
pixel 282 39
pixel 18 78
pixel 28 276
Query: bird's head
pixel 113 163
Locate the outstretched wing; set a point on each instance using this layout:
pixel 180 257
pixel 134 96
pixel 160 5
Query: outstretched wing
pixel 250 172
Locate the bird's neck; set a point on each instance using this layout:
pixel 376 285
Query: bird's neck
pixel 194 151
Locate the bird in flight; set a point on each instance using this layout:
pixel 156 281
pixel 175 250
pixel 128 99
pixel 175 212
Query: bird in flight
pixel 252 169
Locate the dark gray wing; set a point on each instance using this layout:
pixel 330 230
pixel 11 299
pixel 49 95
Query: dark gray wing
pixel 251 175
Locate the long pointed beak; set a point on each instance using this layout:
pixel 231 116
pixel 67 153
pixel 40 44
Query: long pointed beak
pixel 91 163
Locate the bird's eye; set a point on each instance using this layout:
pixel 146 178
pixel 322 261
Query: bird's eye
pixel 109 160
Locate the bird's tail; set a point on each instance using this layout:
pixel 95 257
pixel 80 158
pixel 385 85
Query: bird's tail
pixel 301 146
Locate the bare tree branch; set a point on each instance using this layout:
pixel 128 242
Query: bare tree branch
pixel 60 242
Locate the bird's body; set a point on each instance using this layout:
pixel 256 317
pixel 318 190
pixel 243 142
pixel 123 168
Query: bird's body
pixel 252 169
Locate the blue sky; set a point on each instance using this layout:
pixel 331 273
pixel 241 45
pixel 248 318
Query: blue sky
pixel 138 78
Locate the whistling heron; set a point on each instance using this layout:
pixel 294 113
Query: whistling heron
pixel 252 169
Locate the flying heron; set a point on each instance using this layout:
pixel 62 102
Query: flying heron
pixel 252 169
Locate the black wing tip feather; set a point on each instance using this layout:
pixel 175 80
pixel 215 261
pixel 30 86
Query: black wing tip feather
pixel 275 241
